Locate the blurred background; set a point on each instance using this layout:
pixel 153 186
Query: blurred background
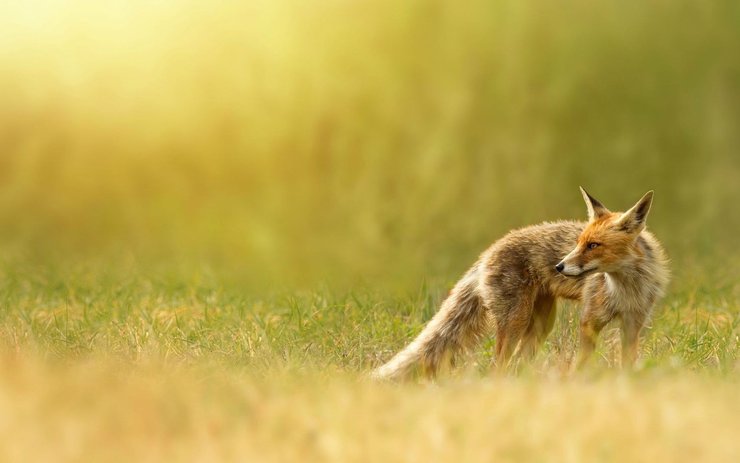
pixel 360 142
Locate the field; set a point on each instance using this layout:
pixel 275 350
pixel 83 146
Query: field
pixel 216 219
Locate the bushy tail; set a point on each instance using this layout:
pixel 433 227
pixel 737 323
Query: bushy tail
pixel 458 325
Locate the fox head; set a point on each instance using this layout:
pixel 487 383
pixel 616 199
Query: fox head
pixel 606 244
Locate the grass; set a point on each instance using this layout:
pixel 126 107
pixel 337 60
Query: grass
pixel 151 413
pixel 214 220
pixel 144 369
pixel 352 329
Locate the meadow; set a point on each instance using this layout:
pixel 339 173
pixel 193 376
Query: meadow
pixel 215 219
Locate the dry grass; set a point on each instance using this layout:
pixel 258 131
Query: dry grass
pixel 107 411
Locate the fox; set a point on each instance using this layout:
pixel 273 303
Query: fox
pixel 611 264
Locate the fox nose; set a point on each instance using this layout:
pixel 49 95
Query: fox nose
pixel 560 267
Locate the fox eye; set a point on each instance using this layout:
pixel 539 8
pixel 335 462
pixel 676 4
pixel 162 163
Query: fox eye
pixel 592 245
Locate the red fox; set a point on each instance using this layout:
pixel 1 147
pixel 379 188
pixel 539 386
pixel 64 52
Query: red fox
pixel 611 263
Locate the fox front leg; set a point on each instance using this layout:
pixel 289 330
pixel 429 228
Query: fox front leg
pixel 632 324
pixel 593 320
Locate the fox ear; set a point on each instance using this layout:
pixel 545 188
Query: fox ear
pixel 634 219
pixel 595 208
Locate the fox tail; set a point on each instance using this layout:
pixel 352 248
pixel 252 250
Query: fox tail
pixel 458 325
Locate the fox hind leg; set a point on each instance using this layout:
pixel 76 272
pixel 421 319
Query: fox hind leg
pixel 513 316
pixel 540 325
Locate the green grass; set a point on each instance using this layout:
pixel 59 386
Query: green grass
pixel 78 315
